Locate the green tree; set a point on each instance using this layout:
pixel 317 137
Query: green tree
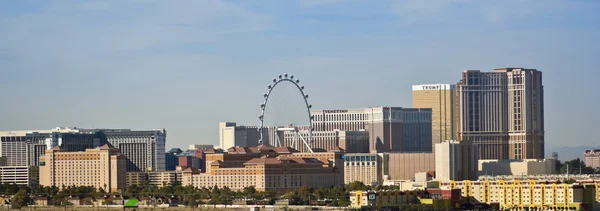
pixel 305 194
pixel 576 166
pixel 21 199
pixel 356 185
pixel 249 192
pixel 323 193
pixel 226 196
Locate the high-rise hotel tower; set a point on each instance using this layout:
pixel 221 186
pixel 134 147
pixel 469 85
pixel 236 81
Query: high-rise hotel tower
pixel 502 112
pixel 441 98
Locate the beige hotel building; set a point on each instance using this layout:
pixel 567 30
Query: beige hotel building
pixel 103 167
pixel 266 168
pixel 441 98
pixel 502 112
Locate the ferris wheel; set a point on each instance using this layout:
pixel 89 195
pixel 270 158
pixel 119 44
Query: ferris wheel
pixel 296 124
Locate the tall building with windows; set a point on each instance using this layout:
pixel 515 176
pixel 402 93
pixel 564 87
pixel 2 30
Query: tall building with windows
pixel 145 149
pixel 391 129
pixel 502 112
pixel 24 148
pixel 441 98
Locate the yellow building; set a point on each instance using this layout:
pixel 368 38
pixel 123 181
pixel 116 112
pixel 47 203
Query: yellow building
pixel 520 194
pixel 373 199
pixel 441 98
pixel 406 200
pixel 103 167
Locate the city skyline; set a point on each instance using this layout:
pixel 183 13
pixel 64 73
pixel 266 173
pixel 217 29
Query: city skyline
pixel 187 83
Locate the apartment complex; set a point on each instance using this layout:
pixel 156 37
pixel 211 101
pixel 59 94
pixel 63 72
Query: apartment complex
pixel 157 178
pixel 528 194
pixel 265 168
pixel 591 158
pixel 103 167
pixel 441 98
pixel 363 167
pixel 502 112
pixel 391 129
pixel 455 160
pixel 517 167
pixel 164 178
pixel 136 178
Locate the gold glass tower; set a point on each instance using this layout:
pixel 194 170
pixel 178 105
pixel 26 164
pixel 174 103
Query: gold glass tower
pixel 441 99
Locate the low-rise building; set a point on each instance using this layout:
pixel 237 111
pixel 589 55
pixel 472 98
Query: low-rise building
pixel 528 194
pixel 103 167
pixel 136 178
pixel 517 167
pixel 42 201
pixel 265 168
pixel 163 178
pixel 417 185
pixel 434 198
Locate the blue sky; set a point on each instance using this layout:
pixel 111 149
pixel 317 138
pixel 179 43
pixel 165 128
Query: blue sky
pixel 186 65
